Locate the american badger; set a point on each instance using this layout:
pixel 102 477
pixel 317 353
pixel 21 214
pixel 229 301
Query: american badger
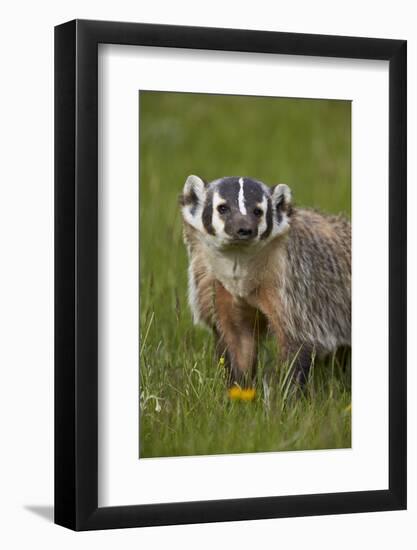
pixel 258 264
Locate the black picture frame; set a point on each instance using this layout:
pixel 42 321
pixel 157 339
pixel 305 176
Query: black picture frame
pixel 76 273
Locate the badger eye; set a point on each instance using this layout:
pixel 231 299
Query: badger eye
pixel 258 212
pixel 222 208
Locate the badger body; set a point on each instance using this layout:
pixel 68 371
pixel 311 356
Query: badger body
pixel 258 264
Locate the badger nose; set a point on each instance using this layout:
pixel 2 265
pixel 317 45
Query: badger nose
pixel 244 233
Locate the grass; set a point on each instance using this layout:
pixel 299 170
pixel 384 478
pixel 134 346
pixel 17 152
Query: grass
pixel 184 405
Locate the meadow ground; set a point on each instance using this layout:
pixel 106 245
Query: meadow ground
pixel 184 406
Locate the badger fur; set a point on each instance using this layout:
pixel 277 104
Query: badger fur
pixel 258 264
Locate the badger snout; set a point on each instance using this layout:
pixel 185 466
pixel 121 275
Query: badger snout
pixel 245 233
pixel 242 228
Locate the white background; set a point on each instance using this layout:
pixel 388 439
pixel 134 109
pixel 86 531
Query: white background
pixel 26 300
pixel 123 479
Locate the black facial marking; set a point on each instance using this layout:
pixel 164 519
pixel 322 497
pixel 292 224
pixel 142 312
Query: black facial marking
pixel 229 188
pixel 268 219
pixel 253 193
pixel 207 215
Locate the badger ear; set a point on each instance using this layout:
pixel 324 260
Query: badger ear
pixel 194 192
pixel 281 198
pixel 192 200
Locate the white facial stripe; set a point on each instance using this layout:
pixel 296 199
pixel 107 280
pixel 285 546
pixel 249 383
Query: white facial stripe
pixel 217 222
pixel 241 198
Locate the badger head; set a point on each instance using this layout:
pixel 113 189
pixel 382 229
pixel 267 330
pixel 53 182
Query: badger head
pixel 236 211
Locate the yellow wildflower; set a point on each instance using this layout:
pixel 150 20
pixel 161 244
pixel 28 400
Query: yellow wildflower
pixel 248 394
pixel 236 393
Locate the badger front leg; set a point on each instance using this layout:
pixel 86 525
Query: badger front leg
pixel 236 331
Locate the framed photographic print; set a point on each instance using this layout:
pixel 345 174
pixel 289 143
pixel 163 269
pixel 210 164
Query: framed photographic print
pixel 230 253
